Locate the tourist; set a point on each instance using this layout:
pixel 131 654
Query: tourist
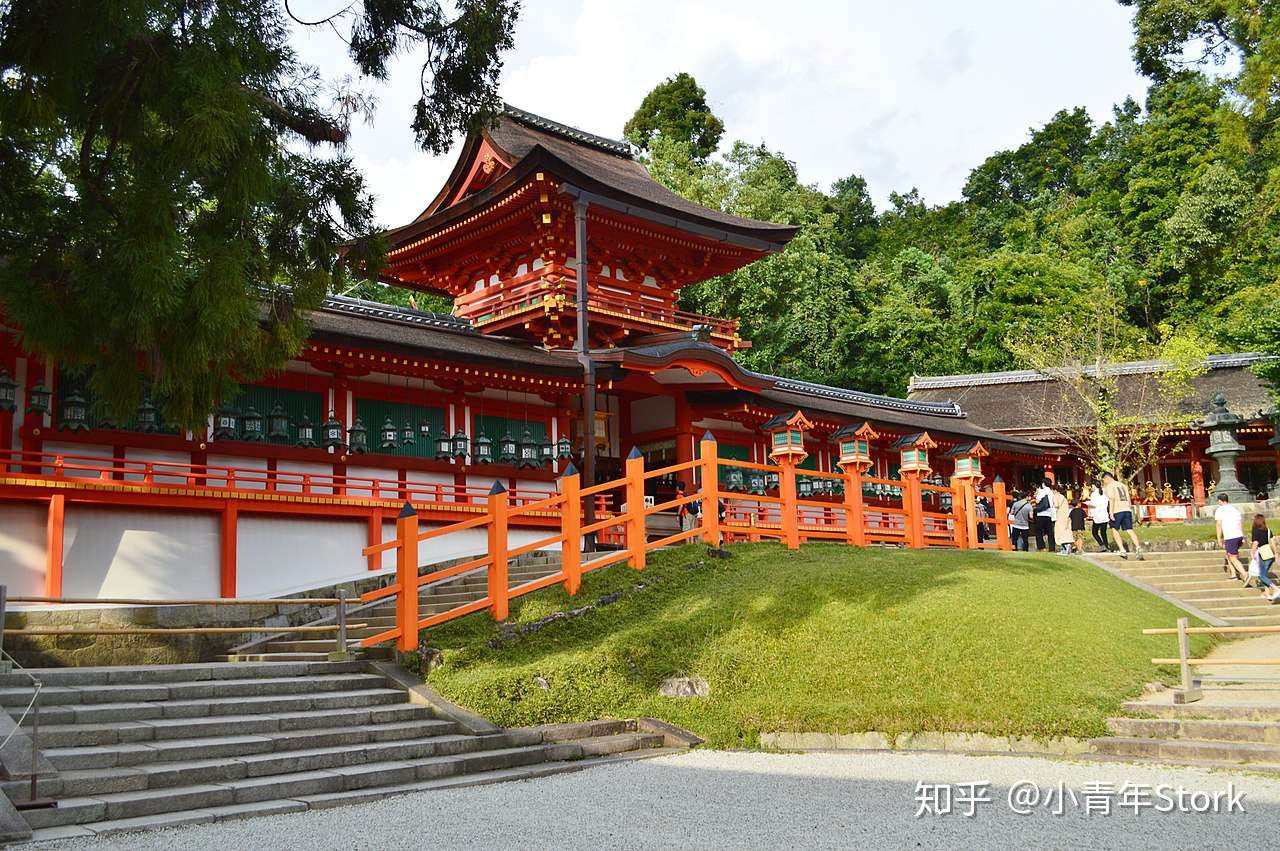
pixel 682 512
pixel 1230 528
pixel 1100 516
pixel 1061 521
pixel 1020 522
pixel 982 509
pixel 1120 505
pixel 1264 554
pixel 1077 524
pixel 1045 516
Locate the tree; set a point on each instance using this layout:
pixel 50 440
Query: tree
pixel 855 216
pixel 173 192
pixel 1112 421
pixel 677 109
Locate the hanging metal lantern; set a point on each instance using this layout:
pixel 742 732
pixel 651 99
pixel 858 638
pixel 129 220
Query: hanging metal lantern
pixel 8 392
pixel 39 399
pixel 548 455
pixel 528 450
pixel 306 433
pixel 278 423
pixel 804 487
pixel 358 438
pixel 147 416
pixel 507 449
pixel 331 432
pixel 424 431
pixel 757 483
pixel 772 481
pixel 483 453
pixel 564 449
pixel 406 435
pixel 444 447
pixel 735 479
pixel 461 444
pixel 388 435
pixel 251 425
pixel 226 423
pixel 75 413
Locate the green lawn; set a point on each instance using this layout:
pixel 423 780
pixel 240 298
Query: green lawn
pixel 1201 531
pixel 828 638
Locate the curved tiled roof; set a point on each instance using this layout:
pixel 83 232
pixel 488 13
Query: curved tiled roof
pixel 1020 376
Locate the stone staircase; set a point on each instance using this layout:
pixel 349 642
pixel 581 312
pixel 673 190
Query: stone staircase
pixel 143 747
pixel 1197 579
pixel 1204 733
pixel 380 616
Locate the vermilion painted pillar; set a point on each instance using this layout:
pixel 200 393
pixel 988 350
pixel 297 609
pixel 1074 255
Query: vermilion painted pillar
pixel 375 538
pixel 227 551
pixel 53 546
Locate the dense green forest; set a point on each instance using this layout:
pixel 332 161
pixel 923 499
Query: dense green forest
pixel 1164 213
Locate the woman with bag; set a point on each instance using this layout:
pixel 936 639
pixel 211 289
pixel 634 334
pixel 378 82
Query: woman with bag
pixel 1262 557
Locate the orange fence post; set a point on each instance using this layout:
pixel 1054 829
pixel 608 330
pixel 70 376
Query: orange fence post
pixel 969 488
pixel 790 516
pixel 855 525
pixel 634 527
pixel 498 551
pixel 53 546
pixel 570 526
pixel 375 538
pixel 1000 511
pixel 914 509
pixel 960 514
pixel 709 455
pixel 227 547
pixel 407 577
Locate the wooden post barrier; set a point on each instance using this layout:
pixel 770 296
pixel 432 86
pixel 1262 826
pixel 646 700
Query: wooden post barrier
pixel 634 526
pixel 913 510
pixel 498 504
pixel 407 578
pixel 1190 692
pixel 969 490
pixel 570 526
pixel 854 523
pixel 960 514
pixel 790 512
pixel 1000 511
pixel 709 455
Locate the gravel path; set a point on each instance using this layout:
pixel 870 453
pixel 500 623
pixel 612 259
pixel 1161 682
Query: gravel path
pixel 717 800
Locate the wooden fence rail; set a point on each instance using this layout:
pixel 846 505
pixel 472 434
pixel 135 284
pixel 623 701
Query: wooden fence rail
pixel 1189 689
pixel 917 520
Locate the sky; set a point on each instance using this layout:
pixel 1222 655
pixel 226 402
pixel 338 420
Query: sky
pixel 912 93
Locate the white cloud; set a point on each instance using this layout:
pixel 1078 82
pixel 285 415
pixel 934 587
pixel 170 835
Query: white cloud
pixel 912 93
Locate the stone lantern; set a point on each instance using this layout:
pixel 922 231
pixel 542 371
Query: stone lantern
pixel 1224 448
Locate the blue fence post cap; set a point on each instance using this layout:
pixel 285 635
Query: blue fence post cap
pixel 407 511
pixel 498 487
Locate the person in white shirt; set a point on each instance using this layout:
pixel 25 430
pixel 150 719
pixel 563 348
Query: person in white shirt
pixel 1100 516
pixel 1230 534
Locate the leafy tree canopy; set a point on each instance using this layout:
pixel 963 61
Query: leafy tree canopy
pixel 173 189
pixel 677 109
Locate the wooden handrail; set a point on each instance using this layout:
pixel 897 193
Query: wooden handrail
pixel 218 601
pixel 181 630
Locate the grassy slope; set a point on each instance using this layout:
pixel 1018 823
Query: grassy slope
pixel 1201 531
pixel 828 638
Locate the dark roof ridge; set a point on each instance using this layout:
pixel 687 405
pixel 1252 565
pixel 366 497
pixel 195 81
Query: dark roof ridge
pixel 394 313
pixel 573 134
pixel 937 409
pixel 1021 376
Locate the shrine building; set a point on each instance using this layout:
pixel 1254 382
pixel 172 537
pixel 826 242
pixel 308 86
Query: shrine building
pixel 545 361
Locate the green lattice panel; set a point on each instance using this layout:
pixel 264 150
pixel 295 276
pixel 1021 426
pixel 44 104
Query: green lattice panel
pixel 374 412
pixel 296 404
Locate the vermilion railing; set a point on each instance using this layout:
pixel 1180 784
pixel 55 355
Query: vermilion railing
pixel 725 516
pixel 152 475
pixel 497 301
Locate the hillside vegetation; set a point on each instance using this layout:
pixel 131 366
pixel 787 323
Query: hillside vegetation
pixel 829 638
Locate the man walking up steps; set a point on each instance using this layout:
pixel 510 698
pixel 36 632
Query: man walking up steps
pixel 1121 507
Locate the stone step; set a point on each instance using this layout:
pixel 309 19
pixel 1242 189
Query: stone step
pixel 1267 732
pixel 292 785
pixel 338 754
pixel 238 811
pixel 1245 610
pixel 154 674
pixel 1238 591
pixel 1207 709
pixel 1188 750
pixel 157 729
pixel 1183 575
pixel 1270 619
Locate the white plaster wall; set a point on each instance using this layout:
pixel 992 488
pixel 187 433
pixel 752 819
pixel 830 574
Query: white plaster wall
pixel 157 455
pixel 258 481
pixel 279 555
pixel 116 552
pixel 428 480
pixel 294 484
pixel 103 452
pixel 23 527
pixel 653 413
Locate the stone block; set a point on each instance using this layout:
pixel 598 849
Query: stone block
pixel 921 741
pixel 124 805
pixel 869 741
pixel 975 743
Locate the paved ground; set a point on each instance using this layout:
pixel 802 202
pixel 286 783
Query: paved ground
pixel 717 800
pixel 1235 684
